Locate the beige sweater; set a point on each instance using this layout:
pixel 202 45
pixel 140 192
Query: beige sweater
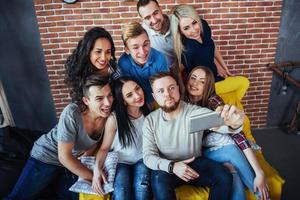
pixel 167 140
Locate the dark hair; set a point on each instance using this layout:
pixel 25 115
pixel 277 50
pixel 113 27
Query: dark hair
pixel 161 75
pixel 142 3
pixel 92 80
pixel 126 129
pixel 78 65
pixel 209 85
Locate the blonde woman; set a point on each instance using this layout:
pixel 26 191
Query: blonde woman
pixel 194 46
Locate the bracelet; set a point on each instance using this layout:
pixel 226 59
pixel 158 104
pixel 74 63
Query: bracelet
pixel 170 167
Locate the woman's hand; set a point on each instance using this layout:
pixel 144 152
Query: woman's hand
pixel 261 186
pixel 220 64
pixel 99 178
pixel 233 117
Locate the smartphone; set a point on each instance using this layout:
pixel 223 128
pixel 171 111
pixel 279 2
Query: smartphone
pixel 205 121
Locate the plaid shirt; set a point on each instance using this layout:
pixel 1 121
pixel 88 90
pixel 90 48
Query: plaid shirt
pixel 239 138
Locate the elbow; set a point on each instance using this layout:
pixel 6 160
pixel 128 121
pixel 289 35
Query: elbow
pixel 146 161
pixel 62 158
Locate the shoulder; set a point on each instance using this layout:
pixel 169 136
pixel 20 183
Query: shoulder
pixel 153 116
pixel 123 60
pixel 71 110
pixel 204 23
pixel 111 122
pixel 157 56
pixel 206 28
pixel 156 53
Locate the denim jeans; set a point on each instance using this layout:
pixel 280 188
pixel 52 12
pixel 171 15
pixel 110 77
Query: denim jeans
pixel 132 182
pixel 37 176
pixel 231 153
pixel 212 174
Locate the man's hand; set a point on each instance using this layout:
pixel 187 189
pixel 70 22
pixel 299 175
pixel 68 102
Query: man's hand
pixel 233 117
pixel 99 178
pixel 183 171
pixel 261 186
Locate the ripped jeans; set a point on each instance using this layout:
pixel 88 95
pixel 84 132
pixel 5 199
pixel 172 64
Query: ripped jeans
pixel 132 182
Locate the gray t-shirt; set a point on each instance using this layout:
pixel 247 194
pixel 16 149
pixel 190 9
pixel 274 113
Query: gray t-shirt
pixel 69 129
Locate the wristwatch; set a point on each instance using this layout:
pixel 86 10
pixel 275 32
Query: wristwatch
pixel 170 167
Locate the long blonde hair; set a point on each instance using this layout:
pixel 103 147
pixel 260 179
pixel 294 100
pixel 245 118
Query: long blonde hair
pixel 178 12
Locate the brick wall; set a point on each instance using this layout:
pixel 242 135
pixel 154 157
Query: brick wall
pixel 245 31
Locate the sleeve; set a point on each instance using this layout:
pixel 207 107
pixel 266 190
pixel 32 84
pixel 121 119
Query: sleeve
pixel 214 101
pixel 151 154
pixel 225 129
pixel 67 128
pixel 241 141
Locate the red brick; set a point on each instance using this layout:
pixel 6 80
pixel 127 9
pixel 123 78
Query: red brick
pixel 110 4
pixel 246 32
pixel 52 6
pixel 82 11
pixel 90 4
pixel 63 12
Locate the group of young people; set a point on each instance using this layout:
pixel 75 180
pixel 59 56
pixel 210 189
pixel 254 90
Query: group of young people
pixel 139 106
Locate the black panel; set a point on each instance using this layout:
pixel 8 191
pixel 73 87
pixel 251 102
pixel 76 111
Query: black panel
pixel 281 107
pixel 22 67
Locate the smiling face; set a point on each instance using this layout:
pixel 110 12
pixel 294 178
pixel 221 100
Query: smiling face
pixel 196 82
pixel 139 48
pixel 133 94
pixel 152 15
pixel 100 55
pixel 166 93
pixel 99 100
pixel 190 28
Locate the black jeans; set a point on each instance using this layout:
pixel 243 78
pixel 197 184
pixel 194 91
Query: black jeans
pixel 212 174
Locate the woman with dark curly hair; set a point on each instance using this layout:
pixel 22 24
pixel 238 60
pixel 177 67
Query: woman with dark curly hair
pixel 95 53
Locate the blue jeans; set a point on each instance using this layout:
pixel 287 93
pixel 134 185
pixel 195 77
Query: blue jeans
pixel 231 153
pixel 132 182
pixel 212 174
pixel 37 176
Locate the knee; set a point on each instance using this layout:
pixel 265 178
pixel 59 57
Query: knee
pixel 143 182
pixel 122 192
pixel 159 182
pixel 226 177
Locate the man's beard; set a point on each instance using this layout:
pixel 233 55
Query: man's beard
pixel 169 109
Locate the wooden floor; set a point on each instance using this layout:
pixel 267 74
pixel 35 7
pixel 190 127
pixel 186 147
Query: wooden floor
pixel 283 152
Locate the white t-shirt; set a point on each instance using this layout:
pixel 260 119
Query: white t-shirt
pixel 132 154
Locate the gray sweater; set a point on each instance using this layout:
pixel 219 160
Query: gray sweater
pixel 168 140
